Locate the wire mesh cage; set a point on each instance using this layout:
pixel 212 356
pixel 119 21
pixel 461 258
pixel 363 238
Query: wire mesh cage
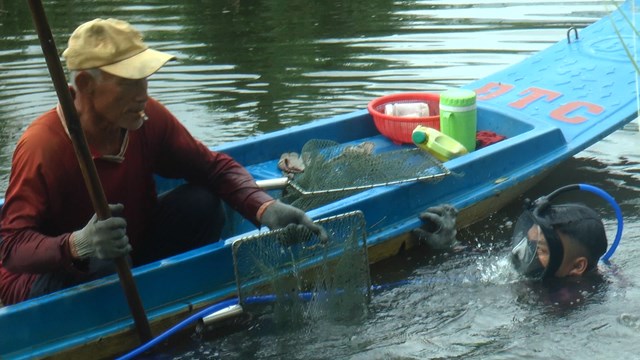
pixel 333 171
pixel 296 267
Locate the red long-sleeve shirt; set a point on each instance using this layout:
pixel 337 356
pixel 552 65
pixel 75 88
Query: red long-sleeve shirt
pixel 47 199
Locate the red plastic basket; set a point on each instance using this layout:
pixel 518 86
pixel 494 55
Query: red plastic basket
pixel 397 128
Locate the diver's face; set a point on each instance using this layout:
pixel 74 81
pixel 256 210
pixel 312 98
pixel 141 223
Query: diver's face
pixel 542 250
pixel 570 266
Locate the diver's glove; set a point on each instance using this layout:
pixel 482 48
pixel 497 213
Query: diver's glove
pixel 278 215
pixel 438 228
pixel 103 239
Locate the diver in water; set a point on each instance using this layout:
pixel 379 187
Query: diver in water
pixel 549 240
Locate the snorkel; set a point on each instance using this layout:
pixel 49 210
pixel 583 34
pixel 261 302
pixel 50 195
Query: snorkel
pixel 535 234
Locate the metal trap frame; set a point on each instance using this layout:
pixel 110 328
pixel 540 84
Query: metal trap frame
pixel 294 265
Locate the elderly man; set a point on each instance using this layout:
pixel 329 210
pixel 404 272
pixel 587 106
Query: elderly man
pixel 50 237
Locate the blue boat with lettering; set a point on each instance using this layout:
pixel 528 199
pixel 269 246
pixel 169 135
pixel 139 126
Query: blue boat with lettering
pixel 548 107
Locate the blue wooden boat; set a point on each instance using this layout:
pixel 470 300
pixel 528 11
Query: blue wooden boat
pixel 550 107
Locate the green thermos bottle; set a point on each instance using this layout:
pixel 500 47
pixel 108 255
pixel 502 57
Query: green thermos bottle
pixel 458 116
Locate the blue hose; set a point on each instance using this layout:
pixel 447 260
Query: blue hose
pixel 306 296
pixel 603 194
pixel 195 317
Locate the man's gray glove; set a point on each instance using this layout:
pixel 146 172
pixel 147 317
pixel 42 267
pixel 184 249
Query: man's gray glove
pixel 278 215
pixel 103 239
pixel 439 227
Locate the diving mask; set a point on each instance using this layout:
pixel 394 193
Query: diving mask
pixel 531 245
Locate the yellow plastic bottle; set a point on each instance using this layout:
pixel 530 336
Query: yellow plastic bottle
pixel 442 146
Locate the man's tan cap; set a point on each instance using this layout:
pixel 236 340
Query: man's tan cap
pixel 113 46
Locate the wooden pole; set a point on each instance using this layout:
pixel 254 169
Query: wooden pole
pixel 85 160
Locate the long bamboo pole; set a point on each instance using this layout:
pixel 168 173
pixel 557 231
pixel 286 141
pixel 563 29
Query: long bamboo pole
pixel 85 160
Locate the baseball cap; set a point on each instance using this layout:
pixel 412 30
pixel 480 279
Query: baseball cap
pixel 113 46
